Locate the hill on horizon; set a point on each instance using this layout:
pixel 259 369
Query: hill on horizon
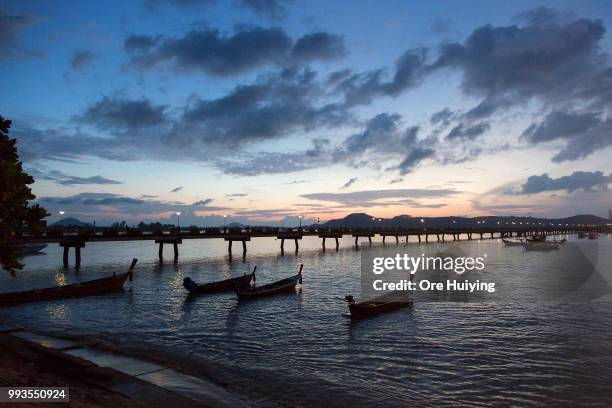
pixel 363 220
pixel 70 222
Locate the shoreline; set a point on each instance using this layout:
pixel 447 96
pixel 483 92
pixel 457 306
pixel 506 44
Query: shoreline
pixel 120 380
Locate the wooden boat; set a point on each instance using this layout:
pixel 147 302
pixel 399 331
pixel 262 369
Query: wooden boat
pixel 282 286
pixel 512 242
pixel 31 248
pixel 380 304
pixel 220 286
pixel 537 238
pixel 541 246
pixel 94 287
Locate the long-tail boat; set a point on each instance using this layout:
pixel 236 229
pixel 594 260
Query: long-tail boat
pixel 220 286
pixel 385 303
pixel 282 286
pixel 513 242
pixel 93 287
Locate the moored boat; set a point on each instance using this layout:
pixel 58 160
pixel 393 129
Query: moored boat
pixel 282 286
pixel 381 304
pixel 540 246
pixel 582 234
pixel 220 286
pixel 31 248
pixel 537 238
pixel 94 287
pixel 513 242
pixel 593 235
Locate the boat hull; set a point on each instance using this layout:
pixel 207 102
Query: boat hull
pixel 96 287
pixel 379 305
pixel 217 287
pixel 285 286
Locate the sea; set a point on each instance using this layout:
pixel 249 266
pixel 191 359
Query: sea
pixel 545 340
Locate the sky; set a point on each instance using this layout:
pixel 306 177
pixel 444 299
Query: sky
pixel 264 111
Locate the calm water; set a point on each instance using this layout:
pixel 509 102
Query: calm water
pixel 300 350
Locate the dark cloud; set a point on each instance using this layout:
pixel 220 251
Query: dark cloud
pixel 66 180
pixel 349 183
pixel 578 180
pixel 176 189
pixel 272 107
pixel 383 137
pixel 362 88
pixel 414 157
pixel 274 9
pixel 80 59
pixel 531 60
pixel 139 43
pixel 583 132
pixel 203 203
pixel 396 180
pixel 561 125
pixel 321 45
pixel 11 27
pixel 220 54
pixel 123 114
pixel 441 117
pixel 467 132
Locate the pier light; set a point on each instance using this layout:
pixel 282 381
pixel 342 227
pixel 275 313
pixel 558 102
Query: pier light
pixel 456 221
pixel 178 218
pixel 61 213
pixel 422 221
pixel 300 217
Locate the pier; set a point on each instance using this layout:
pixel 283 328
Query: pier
pixel 77 238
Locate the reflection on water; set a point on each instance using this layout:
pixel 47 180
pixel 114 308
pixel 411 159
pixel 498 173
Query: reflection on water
pixel 299 347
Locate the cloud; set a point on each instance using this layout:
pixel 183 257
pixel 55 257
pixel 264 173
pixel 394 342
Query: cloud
pixel 362 88
pixel 583 132
pixel 123 114
pixel 107 208
pixel 537 59
pixel 587 181
pixel 321 45
pixel 373 197
pixel 383 137
pixel 560 125
pixel 467 132
pixel 220 54
pixel 80 59
pixel 176 189
pixel 349 183
pixel 203 202
pixel 66 180
pixel 414 157
pixel 237 195
pixel 11 27
pixel 441 117
pixel 274 9
pixel 273 106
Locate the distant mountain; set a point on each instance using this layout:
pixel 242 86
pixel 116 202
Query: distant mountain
pixel 362 220
pixel 585 219
pixel 70 222
pixel 235 225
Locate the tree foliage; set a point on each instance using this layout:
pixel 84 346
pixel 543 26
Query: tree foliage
pixel 16 216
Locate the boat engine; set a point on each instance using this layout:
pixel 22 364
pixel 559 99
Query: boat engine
pixel 349 298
